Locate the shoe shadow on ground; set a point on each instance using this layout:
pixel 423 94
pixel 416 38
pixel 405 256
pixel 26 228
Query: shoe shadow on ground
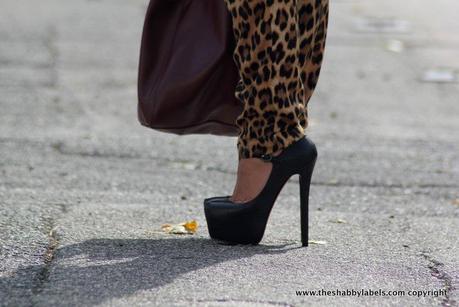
pixel 95 271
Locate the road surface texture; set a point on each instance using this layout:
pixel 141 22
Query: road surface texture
pixel 84 188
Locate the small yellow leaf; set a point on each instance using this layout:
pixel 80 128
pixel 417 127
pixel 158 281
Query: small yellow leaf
pixel 189 227
pixel 455 202
pixel 318 242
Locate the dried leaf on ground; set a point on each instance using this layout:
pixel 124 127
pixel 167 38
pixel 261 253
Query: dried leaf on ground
pixel 456 202
pixel 395 45
pixel 317 242
pixel 188 227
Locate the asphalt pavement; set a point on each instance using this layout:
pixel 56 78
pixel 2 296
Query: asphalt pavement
pixel 84 188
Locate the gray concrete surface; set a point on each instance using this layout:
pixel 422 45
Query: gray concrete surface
pixel 84 188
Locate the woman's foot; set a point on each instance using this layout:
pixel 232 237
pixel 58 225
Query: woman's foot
pixel 252 175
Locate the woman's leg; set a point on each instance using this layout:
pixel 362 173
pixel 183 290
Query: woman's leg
pixel 279 51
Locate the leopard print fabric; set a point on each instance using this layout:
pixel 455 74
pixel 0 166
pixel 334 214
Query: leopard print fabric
pixel 279 52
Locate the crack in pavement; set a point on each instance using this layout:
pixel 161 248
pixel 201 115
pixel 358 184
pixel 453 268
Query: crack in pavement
pixel 446 280
pixel 360 184
pixel 59 147
pixel 42 276
pixel 198 166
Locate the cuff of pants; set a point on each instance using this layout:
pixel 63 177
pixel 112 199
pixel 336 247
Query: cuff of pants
pixel 249 147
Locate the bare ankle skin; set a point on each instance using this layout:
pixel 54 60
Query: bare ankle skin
pixel 252 175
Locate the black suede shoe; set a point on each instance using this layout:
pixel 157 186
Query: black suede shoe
pixel 245 223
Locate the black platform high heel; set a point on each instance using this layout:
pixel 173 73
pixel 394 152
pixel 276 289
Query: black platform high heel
pixel 245 223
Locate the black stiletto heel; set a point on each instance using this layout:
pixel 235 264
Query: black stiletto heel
pixel 245 223
pixel 305 183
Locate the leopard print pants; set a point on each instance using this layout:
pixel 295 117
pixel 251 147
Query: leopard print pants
pixel 279 51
